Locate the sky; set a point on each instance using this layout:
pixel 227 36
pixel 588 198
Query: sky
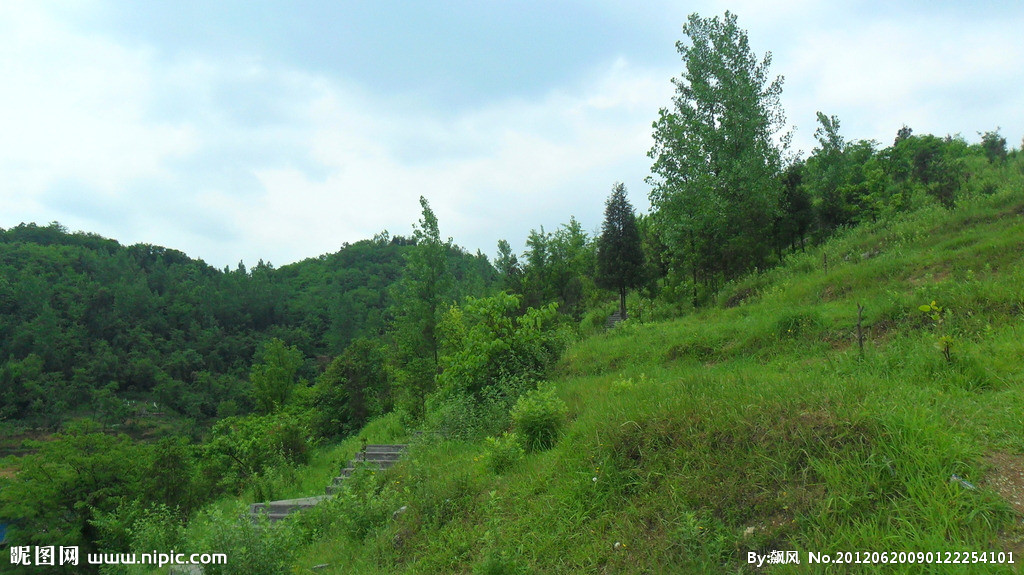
pixel 279 130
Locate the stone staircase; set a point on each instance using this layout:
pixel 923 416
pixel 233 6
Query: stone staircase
pixel 613 319
pixel 381 456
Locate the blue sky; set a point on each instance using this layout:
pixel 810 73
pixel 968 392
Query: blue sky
pixel 279 130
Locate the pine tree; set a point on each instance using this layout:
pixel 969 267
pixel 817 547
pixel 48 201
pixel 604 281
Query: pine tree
pixel 620 256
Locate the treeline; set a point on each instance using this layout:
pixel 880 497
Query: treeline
pixel 727 196
pixel 91 327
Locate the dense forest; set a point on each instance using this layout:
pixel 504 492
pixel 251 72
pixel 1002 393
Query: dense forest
pixel 138 384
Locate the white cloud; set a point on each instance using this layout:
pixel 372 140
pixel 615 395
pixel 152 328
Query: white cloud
pixel 238 157
pixel 518 165
pixel 230 160
pixel 937 74
pixel 74 108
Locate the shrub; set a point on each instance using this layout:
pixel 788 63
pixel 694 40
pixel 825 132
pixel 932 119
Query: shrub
pixel 538 417
pixel 460 415
pixel 252 548
pixel 487 338
pixel 503 452
pixel 240 449
pixel 792 324
pixel 364 504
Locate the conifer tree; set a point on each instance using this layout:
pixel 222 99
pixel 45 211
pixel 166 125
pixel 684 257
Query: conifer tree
pixel 620 256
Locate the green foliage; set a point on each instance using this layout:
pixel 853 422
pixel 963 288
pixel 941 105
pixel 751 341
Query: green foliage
pixel 795 324
pixel 715 185
pixel 508 268
pixel 69 482
pixel 490 356
pixel 797 212
pixel 994 146
pixel 620 257
pixel 242 450
pixel 418 300
pixel 944 341
pixel 538 417
pixel 695 437
pixel 827 175
pixel 157 528
pixel 459 414
pixel 87 322
pixel 503 453
pixel 353 389
pixel 559 268
pixel 364 504
pixel 173 476
pixel 273 377
pixel 252 548
pixel 487 339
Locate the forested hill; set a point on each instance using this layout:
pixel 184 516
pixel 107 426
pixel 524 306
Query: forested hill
pixel 86 323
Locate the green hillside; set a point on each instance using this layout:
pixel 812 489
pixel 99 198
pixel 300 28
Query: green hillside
pixel 757 425
pixel 822 355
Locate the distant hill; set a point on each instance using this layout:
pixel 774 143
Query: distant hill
pixel 84 319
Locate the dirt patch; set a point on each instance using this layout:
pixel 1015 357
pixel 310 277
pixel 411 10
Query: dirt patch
pixel 740 296
pixel 880 329
pixel 1006 477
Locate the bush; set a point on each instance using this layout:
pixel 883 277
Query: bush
pixel 459 415
pixel 364 504
pixel 252 548
pixel 503 452
pixel 241 449
pixel 538 417
pixel 487 338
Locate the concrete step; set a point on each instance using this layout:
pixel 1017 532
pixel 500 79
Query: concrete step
pixel 375 455
pixel 276 510
pixel 613 319
pixel 398 448
pixel 378 457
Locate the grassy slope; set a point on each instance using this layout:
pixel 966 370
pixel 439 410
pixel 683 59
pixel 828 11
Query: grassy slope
pixel 757 426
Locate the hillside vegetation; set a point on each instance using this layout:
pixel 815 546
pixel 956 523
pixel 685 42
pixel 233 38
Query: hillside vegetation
pixel 752 426
pixel 821 354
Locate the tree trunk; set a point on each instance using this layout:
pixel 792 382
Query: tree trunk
pixel 622 302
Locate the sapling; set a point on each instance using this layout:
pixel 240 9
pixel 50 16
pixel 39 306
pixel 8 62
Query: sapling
pixel 944 343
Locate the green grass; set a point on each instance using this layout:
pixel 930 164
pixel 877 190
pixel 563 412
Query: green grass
pixel 753 427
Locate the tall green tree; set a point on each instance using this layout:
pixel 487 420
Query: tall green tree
pixel 273 377
pixel 559 268
pixel 620 256
pixel 994 146
pixel 797 211
pixel 509 271
pixel 826 176
pixel 419 299
pixel 718 153
pixel 353 389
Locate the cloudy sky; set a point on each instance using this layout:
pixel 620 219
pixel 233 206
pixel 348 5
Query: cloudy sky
pixel 277 130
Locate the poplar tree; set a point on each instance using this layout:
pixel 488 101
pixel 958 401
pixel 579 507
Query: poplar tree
pixel 717 156
pixel 620 256
pixel 418 300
